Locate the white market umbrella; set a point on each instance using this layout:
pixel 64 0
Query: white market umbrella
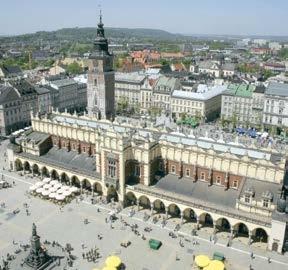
pixel 53 189
pixel 65 188
pixel 46 180
pixel 60 191
pixel 54 182
pixel 73 189
pixel 39 184
pixel 58 185
pixel 59 197
pixel 33 188
pixel 39 190
pixel 47 186
pixel 52 195
pixel 67 193
pixel 45 192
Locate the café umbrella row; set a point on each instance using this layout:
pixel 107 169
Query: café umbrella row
pixel 53 189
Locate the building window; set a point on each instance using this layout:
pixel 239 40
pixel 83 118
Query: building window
pixel 266 203
pixel 112 168
pixel 218 180
pixel 247 198
pixel 235 184
pixel 137 170
pixel 173 169
pixel 202 176
pixel 187 173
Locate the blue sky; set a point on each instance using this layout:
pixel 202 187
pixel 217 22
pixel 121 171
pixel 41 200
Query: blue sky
pixel 246 17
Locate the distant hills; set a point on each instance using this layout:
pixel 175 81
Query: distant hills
pixel 89 33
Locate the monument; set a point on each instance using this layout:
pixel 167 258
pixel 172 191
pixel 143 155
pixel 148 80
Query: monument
pixel 38 257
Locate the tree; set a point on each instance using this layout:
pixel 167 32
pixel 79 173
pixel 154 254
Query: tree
pixel 74 68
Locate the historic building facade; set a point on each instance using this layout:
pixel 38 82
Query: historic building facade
pixel 198 180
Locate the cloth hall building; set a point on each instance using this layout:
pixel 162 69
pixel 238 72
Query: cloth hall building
pixel 226 186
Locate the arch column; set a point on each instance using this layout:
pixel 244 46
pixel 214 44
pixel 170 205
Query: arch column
pixel 166 212
pixel 197 222
pixel 152 208
pixel 214 228
pixel 250 237
pixel 138 204
pixel 182 217
pixel 92 189
pixel 81 188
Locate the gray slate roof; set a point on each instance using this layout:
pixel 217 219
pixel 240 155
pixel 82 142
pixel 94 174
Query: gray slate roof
pixel 277 89
pixel 199 190
pixel 8 94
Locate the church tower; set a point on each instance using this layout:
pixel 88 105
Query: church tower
pixel 101 78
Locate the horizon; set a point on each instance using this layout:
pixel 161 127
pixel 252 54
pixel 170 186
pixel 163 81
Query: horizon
pixel 257 18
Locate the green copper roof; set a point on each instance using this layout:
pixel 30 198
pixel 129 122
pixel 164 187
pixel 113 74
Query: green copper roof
pixel 241 90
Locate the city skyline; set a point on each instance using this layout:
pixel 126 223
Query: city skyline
pixel 207 17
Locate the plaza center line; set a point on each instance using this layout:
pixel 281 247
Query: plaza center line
pixel 157 225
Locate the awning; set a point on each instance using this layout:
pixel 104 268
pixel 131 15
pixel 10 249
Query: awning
pixel 215 265
pixel 113 261
pixel 202 261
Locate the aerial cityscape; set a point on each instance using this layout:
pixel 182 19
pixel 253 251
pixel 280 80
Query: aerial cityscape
pixel 150 142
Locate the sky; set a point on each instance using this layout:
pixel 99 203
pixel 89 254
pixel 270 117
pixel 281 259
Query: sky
pixel 239 17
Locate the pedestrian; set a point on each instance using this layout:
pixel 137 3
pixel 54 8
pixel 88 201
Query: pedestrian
pixel 269 260
pixel 252 255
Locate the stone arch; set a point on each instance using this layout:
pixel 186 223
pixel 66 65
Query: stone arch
pixel 241 229
pixel 206 220
pixel 260 235
pixel 64 178
pixel 54 174
pixel 35 169
pixel 130 199
pixel 174 210
pixel 27 166
pixel 45 172
pixel 144 202
pixel 98 188
pixel 159 206
pixel 86 184
pixel 75 181
pixel 132 172
pixel 189 215
pixel 112 194
pixel 18 165
pixel 223 225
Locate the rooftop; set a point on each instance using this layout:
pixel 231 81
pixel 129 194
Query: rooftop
pixel 133 77
pixel 240 90
pixel 8 94
pixel 203 92
pixel 62 83
pixel 277 89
